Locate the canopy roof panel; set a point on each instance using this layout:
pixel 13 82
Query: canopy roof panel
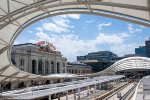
pixel 16 15
pixel 129 63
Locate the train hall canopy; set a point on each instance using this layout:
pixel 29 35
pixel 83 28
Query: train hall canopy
pixel 129 63
pixel 16 15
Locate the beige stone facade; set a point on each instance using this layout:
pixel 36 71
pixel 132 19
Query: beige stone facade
pixel 79 69
pixel 29 58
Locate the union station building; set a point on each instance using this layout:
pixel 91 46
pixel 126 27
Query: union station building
pixel 38 59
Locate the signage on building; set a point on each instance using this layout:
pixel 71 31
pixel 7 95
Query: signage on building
pixel 43 45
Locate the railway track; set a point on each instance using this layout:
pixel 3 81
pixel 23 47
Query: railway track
pixel 129 94
pixel 112 92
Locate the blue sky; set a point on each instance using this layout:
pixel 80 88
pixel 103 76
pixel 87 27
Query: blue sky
pixel 76 34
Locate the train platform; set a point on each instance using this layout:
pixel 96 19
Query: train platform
pixel 142 91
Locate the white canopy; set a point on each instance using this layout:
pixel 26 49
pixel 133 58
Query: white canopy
pixel 15 15
pixel 129 63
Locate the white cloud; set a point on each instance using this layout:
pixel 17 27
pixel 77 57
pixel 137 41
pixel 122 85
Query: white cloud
pixel 74 16
pixel 32 41
pixel 42 36
pixel 100 26
pixel 133 30
pixel 29 31
pixel 39 29
pixel 122 49
pixel 110 39
pixel 60 21
pixel 59 24
pixel 52 27
pixel 89 21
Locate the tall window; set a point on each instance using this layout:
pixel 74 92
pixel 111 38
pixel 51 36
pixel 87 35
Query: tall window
pixel 46 67
pixel 34 66
pixel 52 67
pixel 21 62
pixel 64 68
pixel 58 67
pixel 40 67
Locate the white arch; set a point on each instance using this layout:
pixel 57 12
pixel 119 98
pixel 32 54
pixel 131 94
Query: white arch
pixel 15 15
pixel 129 63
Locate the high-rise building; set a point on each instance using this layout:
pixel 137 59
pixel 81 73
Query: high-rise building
pixel 98 60
pixel 147 44
pixel 103 56
pixel 141 51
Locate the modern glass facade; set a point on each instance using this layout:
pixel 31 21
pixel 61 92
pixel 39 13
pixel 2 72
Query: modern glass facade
pixel 141 51
pixel 102 56
pixel 147 44
pixel 98 60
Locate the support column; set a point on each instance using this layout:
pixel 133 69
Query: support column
pixel 55 67
pixel 61 80
pixel 14 85
pixel 65 67
pixel 67 95
pixel 28 83
pixel 58 96
pixel 99 86
pixel 49 97
pixel 88 91
pixel 51 82
pixel 74 91
pixel 94 88
pixel 0 87
pixel 40 82
pixel 78 93
pixel 60 67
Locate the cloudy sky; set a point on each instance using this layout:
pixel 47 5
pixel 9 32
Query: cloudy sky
pixel 76 34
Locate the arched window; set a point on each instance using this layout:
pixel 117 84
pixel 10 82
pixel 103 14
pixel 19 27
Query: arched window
pixel 21 62
pixel 34 66
pixel 40 65
pixel 46 67
pixel 75 71
pixel 52 67
pixel 58 67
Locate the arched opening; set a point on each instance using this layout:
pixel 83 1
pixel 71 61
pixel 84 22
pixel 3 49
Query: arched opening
pixel 16 15
pixel 34 66
pixel 58 67
pixel 21 85
pixel 47 82
pixel 6 86
pixel 40 65
pixel 46 67
pixel 52 68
